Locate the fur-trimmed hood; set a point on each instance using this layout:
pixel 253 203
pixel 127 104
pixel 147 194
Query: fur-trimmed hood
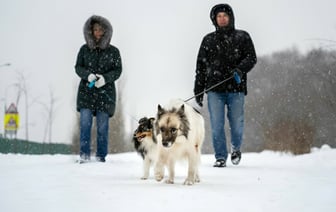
pixel 104 42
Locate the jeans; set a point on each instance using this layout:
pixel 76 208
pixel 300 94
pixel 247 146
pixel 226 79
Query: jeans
pixel 102 121
pixel 235 115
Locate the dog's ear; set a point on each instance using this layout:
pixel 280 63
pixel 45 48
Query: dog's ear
pixel 180 112
pixel 151 123
pixel 185 128
pixel 160 111
pixel 143 120
pixel 151 120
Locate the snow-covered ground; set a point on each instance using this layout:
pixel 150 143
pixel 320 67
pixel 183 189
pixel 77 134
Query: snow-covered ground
pixel 266 181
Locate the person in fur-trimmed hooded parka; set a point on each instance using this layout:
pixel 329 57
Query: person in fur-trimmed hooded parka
pixel 223 55
pixel 98 65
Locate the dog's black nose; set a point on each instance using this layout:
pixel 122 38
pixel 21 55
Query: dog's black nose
pixel 167 144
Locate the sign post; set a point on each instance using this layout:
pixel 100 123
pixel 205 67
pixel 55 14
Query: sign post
pixel 11 121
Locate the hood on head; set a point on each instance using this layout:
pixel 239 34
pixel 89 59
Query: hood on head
pixel 222 8
pixel 88 35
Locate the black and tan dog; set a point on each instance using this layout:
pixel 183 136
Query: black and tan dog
pixel 145 144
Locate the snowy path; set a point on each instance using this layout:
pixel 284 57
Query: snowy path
pixel 264 181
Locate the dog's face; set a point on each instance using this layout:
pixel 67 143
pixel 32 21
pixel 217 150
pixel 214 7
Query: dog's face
pixel 144 129
pixel 171 124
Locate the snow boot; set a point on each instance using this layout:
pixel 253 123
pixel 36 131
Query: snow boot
pixel 220 163
pixel 83 159
pixel 100 159
pixel 235 157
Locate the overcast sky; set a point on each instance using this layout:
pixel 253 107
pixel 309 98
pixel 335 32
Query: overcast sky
pixel 158 41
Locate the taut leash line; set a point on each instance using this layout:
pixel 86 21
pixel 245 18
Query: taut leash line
pixel 235 76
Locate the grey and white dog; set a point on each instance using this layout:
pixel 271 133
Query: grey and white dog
pixel 179 130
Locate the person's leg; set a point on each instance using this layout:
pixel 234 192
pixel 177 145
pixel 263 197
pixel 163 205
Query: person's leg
pixel 236 120
pixel 102 135
pixel 216 105
pixel 85 133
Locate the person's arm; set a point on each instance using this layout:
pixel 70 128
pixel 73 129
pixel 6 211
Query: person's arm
pixel 81 71
pixel 115 72
pixel 249 55
pixel 200 77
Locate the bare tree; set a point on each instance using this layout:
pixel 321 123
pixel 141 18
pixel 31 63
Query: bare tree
pixel 50 110
pixel 119 142
pixel 22 86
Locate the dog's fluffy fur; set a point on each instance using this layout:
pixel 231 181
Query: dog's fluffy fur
pixel 145 144
pixel 179 130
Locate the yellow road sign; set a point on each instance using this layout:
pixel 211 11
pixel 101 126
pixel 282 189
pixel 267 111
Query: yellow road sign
pixel 11 121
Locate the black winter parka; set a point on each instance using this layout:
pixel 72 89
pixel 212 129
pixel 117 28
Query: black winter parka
pixel 220 53
pixel 98 58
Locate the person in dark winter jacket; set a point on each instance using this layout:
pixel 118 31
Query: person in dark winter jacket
pixel 223 53
pixel 98 65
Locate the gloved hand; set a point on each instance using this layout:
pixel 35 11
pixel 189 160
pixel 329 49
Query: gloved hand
pixel 100 82
pixel 92 77
pixel 238 74
pixel 199 100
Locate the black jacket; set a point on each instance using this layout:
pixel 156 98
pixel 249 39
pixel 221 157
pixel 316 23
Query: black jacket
pixel 220 53
pixel 98 58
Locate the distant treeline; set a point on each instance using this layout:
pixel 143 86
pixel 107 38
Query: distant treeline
pixel 292 103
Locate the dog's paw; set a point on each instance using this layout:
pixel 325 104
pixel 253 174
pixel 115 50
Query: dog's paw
pixel 188 182
pixel 158 177
pixel 197 179
pixel 169 181
pixel 144 178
